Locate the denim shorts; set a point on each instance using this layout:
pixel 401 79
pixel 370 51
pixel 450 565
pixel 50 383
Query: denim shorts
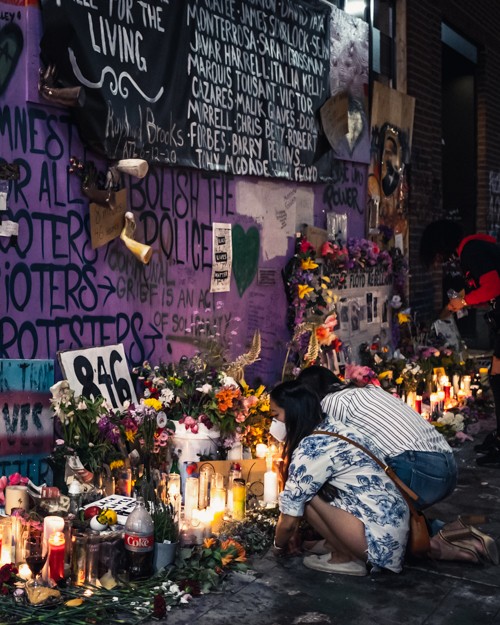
pixel 431 475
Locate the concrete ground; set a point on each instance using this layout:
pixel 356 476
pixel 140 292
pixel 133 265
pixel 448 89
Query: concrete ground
pixel 283 591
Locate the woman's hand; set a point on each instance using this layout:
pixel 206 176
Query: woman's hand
pixel 286 530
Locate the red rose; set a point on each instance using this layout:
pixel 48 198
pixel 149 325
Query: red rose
pixel 159 606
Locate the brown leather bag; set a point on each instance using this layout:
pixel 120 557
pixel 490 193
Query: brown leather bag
pixel 418 540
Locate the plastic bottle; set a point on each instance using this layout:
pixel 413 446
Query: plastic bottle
pixel 139 542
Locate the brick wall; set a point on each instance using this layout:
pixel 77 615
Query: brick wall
pixel 480 23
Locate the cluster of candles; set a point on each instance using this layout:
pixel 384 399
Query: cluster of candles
pixel 208 499
pixel 447 395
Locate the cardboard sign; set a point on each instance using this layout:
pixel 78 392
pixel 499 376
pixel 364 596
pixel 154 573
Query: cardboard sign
pixel 99 371
pixel 107 223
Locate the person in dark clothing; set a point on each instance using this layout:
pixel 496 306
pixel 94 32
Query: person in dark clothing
pixel 479 257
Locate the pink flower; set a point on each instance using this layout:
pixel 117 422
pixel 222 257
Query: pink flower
pixel 240 417
pixel 17 478
pixel 361 376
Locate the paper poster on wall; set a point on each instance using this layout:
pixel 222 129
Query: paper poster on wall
pixel 97 371
pixel 222 258
pixel 272 206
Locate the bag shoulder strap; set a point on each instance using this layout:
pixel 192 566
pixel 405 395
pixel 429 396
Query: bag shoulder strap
pixel 406 491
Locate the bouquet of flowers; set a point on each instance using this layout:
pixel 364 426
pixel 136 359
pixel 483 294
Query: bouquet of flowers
pixel 194 393
pixel 76 426
pixel 137 433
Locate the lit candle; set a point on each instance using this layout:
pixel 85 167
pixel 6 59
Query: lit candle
pixel 57 550
pixel 433 402
pixel 418 403
pixel 218 506
pixel 191 497
pixel 270 487
pixel 466 385
pixel 51 525
pixel 174 494
pixel 260 450
pixel 440 396
pixel 239 499
pixel 16 496
pixel 483 376
pixel 447 392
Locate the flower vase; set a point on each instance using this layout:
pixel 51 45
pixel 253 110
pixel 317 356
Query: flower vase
pixel 164 555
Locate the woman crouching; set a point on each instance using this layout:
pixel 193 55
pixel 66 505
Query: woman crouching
pixel 365 520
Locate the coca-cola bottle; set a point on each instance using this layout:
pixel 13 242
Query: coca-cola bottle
pixel 139 542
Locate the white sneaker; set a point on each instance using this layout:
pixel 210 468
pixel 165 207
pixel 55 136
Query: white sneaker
pixel 322 563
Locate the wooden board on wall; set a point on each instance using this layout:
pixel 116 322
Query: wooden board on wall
pixel 393 107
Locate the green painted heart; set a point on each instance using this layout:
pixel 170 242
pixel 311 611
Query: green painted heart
pixel 11 46
pixel 246 247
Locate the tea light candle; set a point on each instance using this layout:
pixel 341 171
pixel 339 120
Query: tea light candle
pixel 270 487
pixel 260 450
pixel 16 496
pixel 57 550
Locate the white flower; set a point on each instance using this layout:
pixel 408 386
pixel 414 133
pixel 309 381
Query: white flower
pixel 206 388
pixel 186 598
pixel 59 388
pixel 227 380
pixel 167 396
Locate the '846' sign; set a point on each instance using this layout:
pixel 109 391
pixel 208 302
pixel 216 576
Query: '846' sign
pixel 99 371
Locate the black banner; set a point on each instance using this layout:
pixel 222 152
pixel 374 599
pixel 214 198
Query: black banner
pixel 222 85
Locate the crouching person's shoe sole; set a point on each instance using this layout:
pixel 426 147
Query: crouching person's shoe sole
pixel 322 563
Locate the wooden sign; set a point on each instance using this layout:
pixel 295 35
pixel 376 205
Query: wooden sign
pixel 107 223
pixel 99 371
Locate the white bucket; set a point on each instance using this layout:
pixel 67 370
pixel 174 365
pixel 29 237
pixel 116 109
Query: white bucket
pixel 190 446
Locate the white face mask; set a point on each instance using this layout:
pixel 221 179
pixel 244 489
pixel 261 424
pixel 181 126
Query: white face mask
pixel 278 430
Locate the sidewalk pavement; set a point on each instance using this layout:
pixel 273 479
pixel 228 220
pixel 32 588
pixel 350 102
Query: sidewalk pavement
pixel 285 592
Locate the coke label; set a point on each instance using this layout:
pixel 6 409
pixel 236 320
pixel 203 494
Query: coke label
pixel 133 542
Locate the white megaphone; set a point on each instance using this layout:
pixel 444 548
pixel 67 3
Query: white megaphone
pixel 141 251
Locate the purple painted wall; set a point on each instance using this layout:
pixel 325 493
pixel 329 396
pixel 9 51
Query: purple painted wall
pixel 57 293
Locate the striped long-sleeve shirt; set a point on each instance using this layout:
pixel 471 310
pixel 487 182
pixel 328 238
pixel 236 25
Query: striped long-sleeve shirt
pixel 389 422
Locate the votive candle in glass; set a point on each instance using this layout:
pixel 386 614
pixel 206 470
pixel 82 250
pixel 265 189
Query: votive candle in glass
pixel 191 497
pixel 418 403
pixel 239 499
pixel 57 550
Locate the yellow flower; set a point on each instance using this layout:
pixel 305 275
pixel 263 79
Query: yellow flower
pixel 116 464
pixel 308 263
pixel 153 403
pixel 403 318
pixel 208 543
pixel 385 374
pixel 304 289
pixel 399 380
pixel 130 436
